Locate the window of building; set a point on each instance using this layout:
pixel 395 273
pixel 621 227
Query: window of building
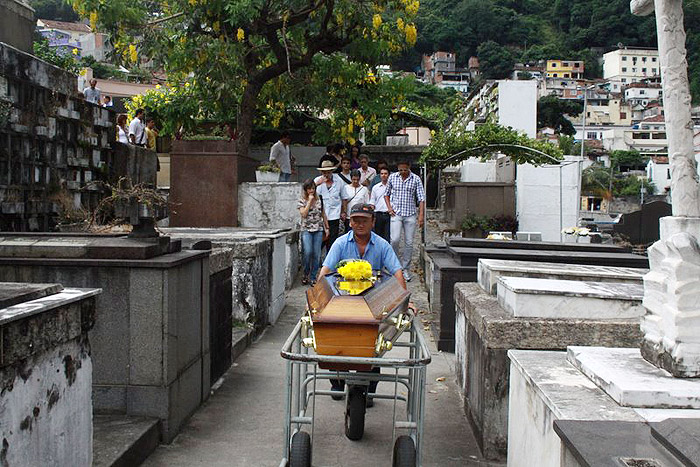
pixel 577 64
pixel 623 115
pixel 624 69
pixel 640 136
pixel 624 80
pixel 644 70
pixel 591 135
pixel 554 65
pixel 653 70
pixel 566 75
pixel 658 136
pixel 668 174
pixel 644 59
pixel 624 59
pixel 634 70
pixel 653 59
pixel 642 91
pixel 588 114
pixel 565 64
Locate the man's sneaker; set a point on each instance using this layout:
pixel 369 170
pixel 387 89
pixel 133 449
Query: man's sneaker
pixel 407 276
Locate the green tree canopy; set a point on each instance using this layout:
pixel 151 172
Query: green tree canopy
pixel 59 10
pixel 495 61
pixel 231 50
pixel 552 112
pixel 456 144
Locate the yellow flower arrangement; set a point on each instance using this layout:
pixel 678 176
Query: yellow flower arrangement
pixel 354 287
pixel 355 270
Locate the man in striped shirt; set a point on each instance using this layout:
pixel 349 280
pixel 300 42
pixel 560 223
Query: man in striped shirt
pixel 404 192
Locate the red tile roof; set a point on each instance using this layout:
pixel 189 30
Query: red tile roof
pixel 66 26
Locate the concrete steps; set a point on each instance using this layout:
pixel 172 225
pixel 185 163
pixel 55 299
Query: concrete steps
pixel 123 441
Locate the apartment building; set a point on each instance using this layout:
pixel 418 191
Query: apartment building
pixel 565 69
pixel 630 65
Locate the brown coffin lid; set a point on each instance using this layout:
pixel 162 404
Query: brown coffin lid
pixel 346 309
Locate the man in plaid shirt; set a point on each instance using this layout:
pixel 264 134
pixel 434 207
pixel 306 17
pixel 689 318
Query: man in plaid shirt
pixel 403 192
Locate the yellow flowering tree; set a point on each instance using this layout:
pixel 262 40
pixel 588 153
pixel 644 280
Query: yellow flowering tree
pixel 234 52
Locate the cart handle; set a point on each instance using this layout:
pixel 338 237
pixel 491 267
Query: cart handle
pixel 426 357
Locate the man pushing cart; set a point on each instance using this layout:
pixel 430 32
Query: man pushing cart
pixel 356 313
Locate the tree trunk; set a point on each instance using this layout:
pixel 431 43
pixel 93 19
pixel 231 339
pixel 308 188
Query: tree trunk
pixel 249 102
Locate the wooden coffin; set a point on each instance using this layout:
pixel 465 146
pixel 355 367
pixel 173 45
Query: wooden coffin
pixel 363 325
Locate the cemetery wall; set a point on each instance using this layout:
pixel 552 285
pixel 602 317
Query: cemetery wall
pixel 52 143
pixel 46 388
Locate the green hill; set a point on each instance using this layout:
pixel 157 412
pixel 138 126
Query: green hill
pixel 542 29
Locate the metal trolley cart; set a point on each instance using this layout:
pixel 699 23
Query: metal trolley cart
pixel 303 372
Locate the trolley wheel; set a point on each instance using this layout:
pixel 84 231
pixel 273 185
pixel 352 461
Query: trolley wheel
pixel 300 453
pixel 355 412
pixel 404 452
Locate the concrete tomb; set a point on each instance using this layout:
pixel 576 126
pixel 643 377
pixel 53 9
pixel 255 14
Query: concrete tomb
pixel 150 344
pixel 445 266
pixel 490 270
pixel 46 374
pixel 257 254
pixel 587 384
pixel 485 332
pixel 551 298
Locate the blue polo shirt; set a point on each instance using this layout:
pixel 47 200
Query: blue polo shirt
pixel 378 252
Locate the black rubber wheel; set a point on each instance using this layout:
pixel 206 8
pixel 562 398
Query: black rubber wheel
pixel 404 452
pixel 300 452
pixel 355 413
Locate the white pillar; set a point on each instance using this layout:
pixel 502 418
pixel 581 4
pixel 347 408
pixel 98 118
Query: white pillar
pixel 671 326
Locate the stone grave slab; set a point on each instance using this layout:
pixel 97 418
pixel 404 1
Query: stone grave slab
pixel 547 298
pixel 534 245
pixel 86 246
pixel 681 437
pixel 12 293
pixel 612 444
pixel 469 256
pixel 632 381
pixel 490 270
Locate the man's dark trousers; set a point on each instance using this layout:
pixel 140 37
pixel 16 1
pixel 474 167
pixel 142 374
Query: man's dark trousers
pixel 382 225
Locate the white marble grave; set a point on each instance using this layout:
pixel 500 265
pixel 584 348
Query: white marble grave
pixel 490 270
pixel 632 381
pixel 546 386
pixel 548 298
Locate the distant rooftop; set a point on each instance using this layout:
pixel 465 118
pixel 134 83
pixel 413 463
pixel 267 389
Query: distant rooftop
pixel 65 25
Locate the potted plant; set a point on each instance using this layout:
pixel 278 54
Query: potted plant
pixel 267 173
pixel 473 226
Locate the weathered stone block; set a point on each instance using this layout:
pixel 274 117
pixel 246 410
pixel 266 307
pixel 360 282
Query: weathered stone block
pixel 485 332
pixel 145 327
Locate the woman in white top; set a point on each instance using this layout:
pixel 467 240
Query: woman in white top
pixel 353 194
pixel 122 131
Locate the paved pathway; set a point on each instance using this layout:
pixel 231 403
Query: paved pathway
pixel 241 423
